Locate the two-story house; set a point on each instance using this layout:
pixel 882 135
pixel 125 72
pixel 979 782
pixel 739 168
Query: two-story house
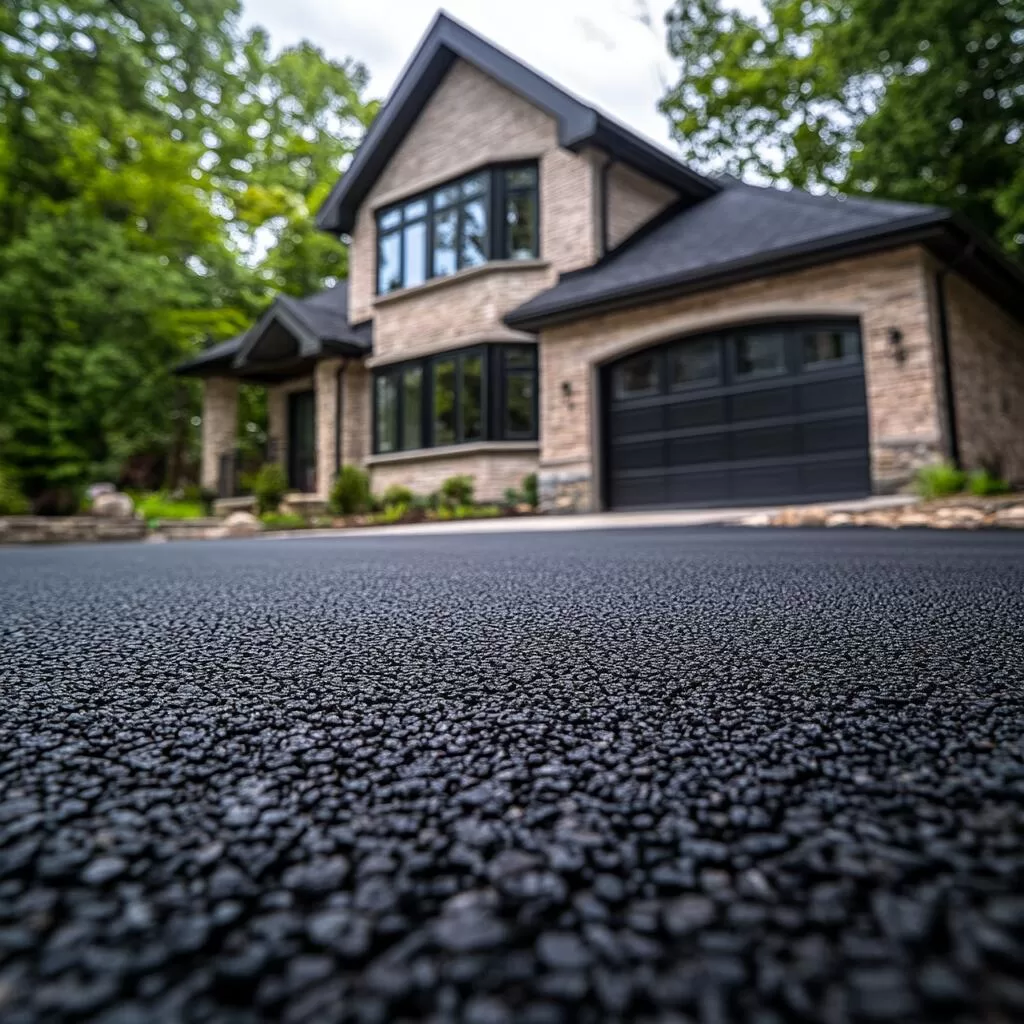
pixel 534 287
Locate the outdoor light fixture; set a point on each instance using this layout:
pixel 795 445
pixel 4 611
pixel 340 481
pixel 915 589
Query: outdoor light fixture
pixel 899 353
pixel 567 389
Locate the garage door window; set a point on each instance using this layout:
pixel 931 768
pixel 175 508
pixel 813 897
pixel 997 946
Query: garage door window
pixel 637 377
pixel 760 355
pixel 695 365
pixel 826 348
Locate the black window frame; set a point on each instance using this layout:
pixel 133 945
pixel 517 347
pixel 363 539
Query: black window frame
pixel 497 235
pixel 494 373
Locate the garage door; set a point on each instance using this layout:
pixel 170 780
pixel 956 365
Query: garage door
pixel 759 414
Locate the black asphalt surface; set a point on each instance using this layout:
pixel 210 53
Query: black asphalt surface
pixel 709 775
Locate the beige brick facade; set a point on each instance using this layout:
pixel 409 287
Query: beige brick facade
pixel 493 472
pixel 885 291
pixel 220 426
pixel 632 201
pixel 277 414
pixel 987 356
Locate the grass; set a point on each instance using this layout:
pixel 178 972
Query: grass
pixel 158 505
pixel 283 521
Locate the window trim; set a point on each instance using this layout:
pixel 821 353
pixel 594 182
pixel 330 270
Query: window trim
pixel 497 235
pixel 493 397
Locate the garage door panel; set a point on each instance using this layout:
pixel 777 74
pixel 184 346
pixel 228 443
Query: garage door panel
pixel 737 437
pixel 762 405
pixel 701 412
pixel 699 448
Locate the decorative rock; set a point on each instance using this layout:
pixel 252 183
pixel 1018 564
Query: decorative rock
pixel 240 524
pixel 1012 516
pixel 113 506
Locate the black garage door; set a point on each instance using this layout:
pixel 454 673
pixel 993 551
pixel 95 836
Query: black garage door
pixel 758 414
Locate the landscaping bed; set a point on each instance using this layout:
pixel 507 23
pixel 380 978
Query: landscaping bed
pixel 962 512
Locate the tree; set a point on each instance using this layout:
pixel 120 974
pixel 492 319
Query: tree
pixel 905 100
pixel 158 174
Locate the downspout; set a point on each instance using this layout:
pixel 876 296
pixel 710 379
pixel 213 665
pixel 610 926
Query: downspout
pixel 603 197
pixel 948 390
pixel 339 408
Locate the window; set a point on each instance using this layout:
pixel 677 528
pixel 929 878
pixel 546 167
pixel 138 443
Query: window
pixel 760 354
pixel 637 377
pixel 695 364
pixel 824 347
pixel 478 394
pixel 491 214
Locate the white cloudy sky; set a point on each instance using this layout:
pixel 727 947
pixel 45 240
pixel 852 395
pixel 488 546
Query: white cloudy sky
pixel 599 49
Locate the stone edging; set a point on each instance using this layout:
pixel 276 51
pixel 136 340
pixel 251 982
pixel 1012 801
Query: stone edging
pixel 952 514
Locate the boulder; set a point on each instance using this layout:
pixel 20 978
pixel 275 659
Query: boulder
pixel 113 506
pixel 1012 515
pixel 839 519
pixel 240 524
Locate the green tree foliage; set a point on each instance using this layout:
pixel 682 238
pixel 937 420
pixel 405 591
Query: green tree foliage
pixel 907 100
pixel 159 170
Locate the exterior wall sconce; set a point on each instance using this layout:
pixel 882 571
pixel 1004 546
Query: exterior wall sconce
pixel 896 347
pixel 567 392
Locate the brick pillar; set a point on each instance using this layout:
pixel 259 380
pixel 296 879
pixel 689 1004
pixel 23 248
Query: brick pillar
pixel 277 424
pixel 356 427
pixel 220 425
pixel 325 384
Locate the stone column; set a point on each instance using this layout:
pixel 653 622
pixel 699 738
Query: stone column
pixel 220 425
pixel 325 383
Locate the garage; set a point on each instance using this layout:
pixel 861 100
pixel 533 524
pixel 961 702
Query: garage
pixel 760 413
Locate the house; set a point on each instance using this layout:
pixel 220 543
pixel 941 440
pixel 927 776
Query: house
pixel 535 288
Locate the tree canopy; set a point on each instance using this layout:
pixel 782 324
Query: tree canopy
pixel 159 171
pixel 896 98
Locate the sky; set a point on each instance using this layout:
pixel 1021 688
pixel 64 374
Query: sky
pixel 599 49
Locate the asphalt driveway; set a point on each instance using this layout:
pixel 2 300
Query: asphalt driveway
pixel 659 775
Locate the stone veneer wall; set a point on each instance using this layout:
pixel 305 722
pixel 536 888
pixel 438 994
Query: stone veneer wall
pixel 220 426
pixel 887 290
pixel 987 356
pixel 69 529
pixel 493 472
pixel 632 201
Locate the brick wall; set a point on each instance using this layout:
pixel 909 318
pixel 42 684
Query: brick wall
pixel 220 425
pixel 492 472
pixel 884 291
pixel 987 356
pixel 632 201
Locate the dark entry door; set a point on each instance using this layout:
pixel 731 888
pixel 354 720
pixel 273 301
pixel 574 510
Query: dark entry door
pixel 302 441
pixel 766 413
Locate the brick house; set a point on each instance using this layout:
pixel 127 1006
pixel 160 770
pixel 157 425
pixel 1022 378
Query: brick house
pixel 534 287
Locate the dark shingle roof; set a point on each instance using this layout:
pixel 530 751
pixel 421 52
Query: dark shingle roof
pixel 740 227
pixel 213 357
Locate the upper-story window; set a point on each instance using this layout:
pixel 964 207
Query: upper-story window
pixel 493 214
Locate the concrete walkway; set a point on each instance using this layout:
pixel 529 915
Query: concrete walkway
pixel 590 521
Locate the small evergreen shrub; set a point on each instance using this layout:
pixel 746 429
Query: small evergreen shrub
pixel 512 497
pixel 939 480
pixel 457 490
pixel 350 493
pixel 269 488
pixel 530 495
pixel 982 483
pixel 396 494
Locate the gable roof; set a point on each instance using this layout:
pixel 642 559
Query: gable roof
pixel 743 232
pixel 579 123
pixel 318 324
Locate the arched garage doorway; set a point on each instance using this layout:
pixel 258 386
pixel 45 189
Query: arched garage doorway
pixel 754 414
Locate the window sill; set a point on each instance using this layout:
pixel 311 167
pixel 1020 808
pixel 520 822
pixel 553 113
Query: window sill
pixel 456 450
pixel 436 283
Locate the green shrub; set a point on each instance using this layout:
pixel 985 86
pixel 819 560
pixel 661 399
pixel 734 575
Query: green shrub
pixel 446 512
pixel 350 493
pixel 939 480
pixel 199 495
pixel 512 497
pixel 393 513
pixel 269 487
pixel 12 501
pixel 983 483
pixel 160 505
pixel 457 490
pixel 283 521
pixel 530 490
pixel 396 494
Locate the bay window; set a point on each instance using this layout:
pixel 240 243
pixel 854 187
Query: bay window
pixel 493 214
pixel 484 393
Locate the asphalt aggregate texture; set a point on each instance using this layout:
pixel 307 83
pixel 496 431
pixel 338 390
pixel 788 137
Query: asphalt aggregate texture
pixel 703 775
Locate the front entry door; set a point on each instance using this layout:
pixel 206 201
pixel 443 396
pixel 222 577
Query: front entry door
pixel 302 441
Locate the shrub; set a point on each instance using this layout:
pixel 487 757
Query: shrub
pixel 396 494
pixel 283 521
pixel 393 513
pixel 512 497
pixel 530 490
pixel 939 480
pixel 12 501
pixel 269 487
pixel 983 483
pixel 158 505
pixel 199 495
pixel 457 490
pixel 350 494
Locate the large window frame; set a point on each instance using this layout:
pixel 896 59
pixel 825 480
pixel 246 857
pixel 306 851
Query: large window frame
pixel 504 369
pixel 500 189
